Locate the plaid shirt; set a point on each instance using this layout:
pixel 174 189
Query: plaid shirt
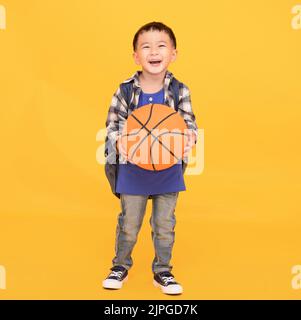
pixel 119 110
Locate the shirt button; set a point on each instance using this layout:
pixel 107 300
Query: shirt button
pixel 150 99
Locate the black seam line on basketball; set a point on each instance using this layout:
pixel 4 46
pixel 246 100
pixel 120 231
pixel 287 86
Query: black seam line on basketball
pixel 147 121
pixel 161 134
pixel 163 145
pixel 150 132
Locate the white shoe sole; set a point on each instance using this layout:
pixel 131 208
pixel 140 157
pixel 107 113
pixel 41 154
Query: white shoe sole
pixel 171 289
pixel 113 284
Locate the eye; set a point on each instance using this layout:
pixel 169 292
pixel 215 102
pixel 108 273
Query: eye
pixel 161 45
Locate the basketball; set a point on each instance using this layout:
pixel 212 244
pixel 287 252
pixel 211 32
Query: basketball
pixel 154 137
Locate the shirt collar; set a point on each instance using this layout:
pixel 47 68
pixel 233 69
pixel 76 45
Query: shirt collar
pixel 135 78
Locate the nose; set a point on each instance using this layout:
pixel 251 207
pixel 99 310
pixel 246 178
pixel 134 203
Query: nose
pixel 153 50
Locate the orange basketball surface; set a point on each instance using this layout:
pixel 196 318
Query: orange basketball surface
pixel 154 137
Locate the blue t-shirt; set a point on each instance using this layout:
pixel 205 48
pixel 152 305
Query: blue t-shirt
pixel 132 179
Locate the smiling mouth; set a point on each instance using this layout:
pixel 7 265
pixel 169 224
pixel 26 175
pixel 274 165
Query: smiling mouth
pixel 155 62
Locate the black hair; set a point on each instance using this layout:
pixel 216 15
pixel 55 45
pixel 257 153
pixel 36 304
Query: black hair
pixel 155 26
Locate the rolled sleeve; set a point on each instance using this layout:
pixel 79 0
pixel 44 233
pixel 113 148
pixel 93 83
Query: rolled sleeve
pixel 185 109
pixel 116 118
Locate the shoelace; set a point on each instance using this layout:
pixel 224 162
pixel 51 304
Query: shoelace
pixel 168 279
pixel 117 274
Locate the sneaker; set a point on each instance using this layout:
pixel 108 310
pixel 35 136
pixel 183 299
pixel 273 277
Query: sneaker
pixel 115 279
pixel 166 281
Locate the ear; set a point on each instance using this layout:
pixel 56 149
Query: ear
pixel 136 58
pixel 174 55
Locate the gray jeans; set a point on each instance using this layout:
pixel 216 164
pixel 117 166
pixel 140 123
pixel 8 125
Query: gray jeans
pixel 162 221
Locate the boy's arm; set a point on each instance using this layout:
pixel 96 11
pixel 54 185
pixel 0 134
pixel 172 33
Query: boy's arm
pixel 117 115
pixel 185 109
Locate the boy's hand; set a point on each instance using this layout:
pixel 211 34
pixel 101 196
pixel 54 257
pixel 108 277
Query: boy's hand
pixel 120 149
pixel 190 143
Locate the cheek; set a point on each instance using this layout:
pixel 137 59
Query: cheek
pixel 143 58
pixel 140 58
pixel 166 54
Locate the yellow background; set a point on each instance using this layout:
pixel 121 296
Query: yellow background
pixel 238 223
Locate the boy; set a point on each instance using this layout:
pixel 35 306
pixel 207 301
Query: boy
pixel 154 47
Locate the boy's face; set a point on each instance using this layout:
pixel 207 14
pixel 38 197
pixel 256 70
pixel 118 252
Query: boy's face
pixel 154 46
